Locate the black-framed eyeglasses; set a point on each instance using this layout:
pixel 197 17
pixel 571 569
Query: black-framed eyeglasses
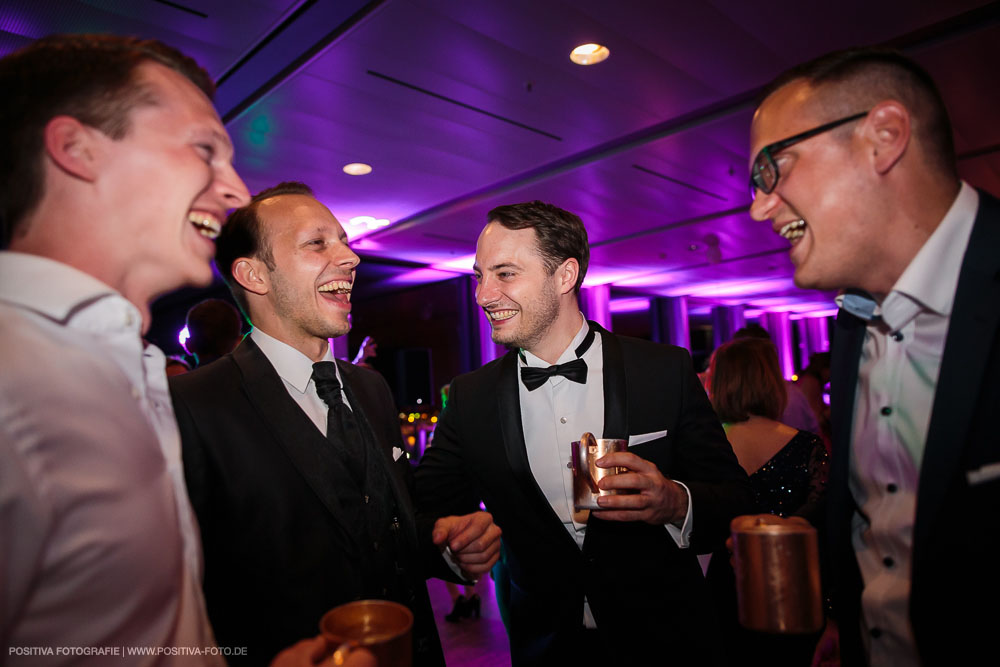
pixel 764 172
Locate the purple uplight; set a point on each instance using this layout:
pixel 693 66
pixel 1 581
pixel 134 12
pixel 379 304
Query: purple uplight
pixel 732 288
pixel 826 312
pixel 629 305
pixel 598 276
pixel 420 277
pixel 461 265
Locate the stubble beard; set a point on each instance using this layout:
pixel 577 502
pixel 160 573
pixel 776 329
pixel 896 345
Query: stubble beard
pixel 290 309
pixel 536 321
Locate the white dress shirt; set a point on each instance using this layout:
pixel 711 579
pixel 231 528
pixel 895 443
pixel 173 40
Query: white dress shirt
pixel 98 544
pixel 295 370
pixel 555 415
pixel 897 378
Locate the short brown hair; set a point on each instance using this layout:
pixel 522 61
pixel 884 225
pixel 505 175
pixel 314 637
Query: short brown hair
pixel 746 380
pixel 561 234
pixel 242 236
pixel 859 78
pixel 89 77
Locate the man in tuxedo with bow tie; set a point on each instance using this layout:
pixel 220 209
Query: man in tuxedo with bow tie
pixel 621 583
pixel 293 459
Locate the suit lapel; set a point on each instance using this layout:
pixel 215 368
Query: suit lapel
pixel 309 451
pixel 847 343
pixel 512 432
pixel 615 394
pixel 362 402
pixel 974 320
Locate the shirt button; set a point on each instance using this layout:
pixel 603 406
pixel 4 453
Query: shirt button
pixel 897 336
pixel 136 394
pixel 128 319
pixel 875 633
pixel 888 561
pixel 886 411
pixel 892 488
pixel 562 420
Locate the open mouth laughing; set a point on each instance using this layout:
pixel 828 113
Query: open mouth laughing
pixel 206 224
pixel 500 315
pixel 793 230
pixel 338 287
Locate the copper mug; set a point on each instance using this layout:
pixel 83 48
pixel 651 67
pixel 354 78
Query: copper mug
pixel 381 626
pixel 586 474
pixel 776 562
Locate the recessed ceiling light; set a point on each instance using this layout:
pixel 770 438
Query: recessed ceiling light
pixel 369 222
pixel 589 54
pixel 357 169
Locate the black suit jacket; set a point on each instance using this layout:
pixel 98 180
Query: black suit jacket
pixel 647 595
pixel 263 482
pixel 955 559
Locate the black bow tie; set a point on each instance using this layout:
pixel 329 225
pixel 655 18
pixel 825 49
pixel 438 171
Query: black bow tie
pixel 575 370
pixel 534 378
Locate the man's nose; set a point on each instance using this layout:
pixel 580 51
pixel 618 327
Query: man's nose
pixel 484 292
pixel 763 205
pixel 232 188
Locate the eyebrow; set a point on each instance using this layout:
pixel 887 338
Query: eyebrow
pixel 223 139
pixel 504 265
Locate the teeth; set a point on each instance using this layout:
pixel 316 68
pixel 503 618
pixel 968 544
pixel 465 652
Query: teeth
pixel 206 225
pixel 337 287
pixel 793 230
pixel 497 315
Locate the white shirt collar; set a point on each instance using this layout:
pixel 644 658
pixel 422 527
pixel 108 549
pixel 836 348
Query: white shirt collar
pixel 932 276
pixel 930 279
pixel 63 293
pixel 45 285
pixel 569 354
pixel 294 367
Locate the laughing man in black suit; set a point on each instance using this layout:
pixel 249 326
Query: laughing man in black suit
pixel 304 503
pixel 854 163
pixel 622 583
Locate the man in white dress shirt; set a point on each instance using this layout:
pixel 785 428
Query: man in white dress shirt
pixel 116 177
pixel 854 164
pixel 621 583
pixel 303 506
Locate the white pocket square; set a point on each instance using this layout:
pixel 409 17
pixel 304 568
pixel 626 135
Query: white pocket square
pixel 983 474
pixel 645 437
pixel 396 453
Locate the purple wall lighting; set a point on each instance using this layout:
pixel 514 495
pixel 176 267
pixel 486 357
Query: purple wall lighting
pixel 633 304
pixel 779 326
pixel 596 304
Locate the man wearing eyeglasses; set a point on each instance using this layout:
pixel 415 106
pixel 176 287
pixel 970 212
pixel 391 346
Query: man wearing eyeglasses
pixel 854 165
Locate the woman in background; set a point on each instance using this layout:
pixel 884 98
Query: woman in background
pixel 788 471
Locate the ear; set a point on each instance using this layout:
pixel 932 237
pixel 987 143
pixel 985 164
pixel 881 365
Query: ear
pixel 73 146
pixel 252 275
pixel 888 130
pixel 567 274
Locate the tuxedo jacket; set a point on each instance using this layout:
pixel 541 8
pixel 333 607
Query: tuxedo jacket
pixel 956 544
pixel 263 481
pixel 647 596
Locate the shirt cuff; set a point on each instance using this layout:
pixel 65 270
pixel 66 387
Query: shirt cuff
pixel 682 535
pixel 449 559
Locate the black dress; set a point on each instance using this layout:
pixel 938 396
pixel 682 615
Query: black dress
pixel 791 483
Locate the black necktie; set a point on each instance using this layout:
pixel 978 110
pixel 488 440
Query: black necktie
pixel 341 427
pixel 575 370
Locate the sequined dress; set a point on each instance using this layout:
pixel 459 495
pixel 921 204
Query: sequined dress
pixel 791 483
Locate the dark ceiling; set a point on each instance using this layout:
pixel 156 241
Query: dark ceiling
pixel 462 105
